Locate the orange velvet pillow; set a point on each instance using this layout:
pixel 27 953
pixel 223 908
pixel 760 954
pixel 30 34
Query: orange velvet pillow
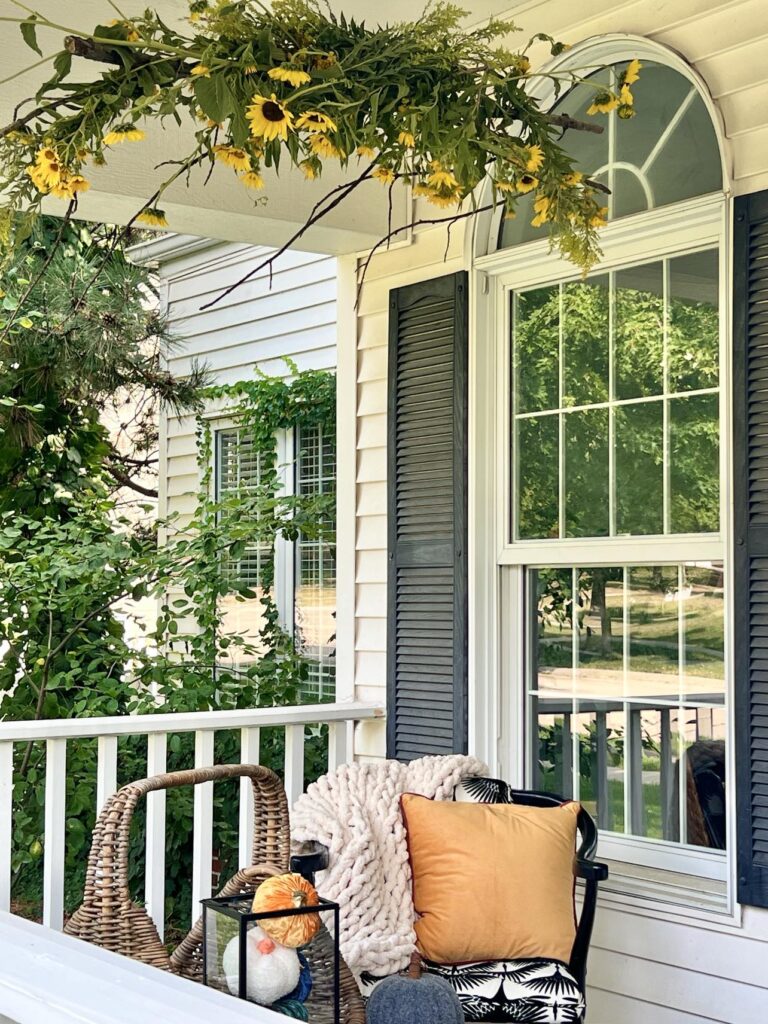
pixel 491 881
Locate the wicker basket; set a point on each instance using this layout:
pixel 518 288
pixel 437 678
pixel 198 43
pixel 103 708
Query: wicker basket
pixel 108 917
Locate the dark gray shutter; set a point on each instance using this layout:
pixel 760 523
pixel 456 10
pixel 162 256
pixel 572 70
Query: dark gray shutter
pixel 427 519
pixel 750 409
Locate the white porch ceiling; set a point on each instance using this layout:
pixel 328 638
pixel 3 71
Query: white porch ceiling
pixel 219 209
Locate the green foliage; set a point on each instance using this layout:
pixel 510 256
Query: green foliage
pixel 428 102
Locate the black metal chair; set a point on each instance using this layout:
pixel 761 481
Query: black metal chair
pixel 539 990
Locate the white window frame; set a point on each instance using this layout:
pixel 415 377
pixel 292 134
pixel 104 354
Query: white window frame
pixel 498 565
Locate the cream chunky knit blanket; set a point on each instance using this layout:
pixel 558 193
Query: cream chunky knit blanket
pixel 355 812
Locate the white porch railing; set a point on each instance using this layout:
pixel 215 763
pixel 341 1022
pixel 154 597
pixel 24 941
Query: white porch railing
pixel 340 719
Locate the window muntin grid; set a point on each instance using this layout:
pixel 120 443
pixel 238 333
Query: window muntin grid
pixel 667 153
pixel 626 695
pixel 615 402
pixel 315 577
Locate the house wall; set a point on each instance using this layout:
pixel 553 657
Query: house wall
pixel 658 963
pixel 259 324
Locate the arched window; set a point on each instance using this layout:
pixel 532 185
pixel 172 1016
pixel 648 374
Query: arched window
pixel 667 153
pixel 612 503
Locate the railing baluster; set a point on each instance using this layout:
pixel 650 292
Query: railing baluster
pixel 604 812
pixel 202 843
pixel 294 762
pixel 633 766
pixel 566 759
pixel 154 879
pixel 55 832
pixel 106 772
pixel 249 754
pixel 340 741
pixel 6 822
pixel 666 775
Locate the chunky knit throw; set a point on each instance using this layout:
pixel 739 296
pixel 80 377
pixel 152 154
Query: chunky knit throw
pixel 355 812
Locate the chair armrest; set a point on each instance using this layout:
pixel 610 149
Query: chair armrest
pixel 590 870
pixel 308 859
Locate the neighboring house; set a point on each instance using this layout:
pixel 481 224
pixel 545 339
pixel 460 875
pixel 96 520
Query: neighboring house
pixel 258 326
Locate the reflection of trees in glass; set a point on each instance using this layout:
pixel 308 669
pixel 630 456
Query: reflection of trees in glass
pixel 638 370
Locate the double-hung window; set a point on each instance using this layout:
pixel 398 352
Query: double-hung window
pixel 302 573
pixel 615 497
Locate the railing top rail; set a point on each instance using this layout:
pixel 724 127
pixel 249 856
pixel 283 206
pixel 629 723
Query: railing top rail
pixel 171 722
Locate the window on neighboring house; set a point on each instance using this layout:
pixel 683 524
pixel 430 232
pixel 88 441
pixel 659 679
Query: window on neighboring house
pixel 305 570
pixel 616 503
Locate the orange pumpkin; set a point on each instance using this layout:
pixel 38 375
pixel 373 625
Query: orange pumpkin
pixel 283 892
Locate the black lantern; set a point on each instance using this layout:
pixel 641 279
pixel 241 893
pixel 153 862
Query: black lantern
pixel 240 957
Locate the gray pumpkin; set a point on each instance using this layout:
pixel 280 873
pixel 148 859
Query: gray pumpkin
pixel 414 998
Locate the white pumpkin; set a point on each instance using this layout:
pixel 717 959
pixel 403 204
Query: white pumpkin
pixel 272 971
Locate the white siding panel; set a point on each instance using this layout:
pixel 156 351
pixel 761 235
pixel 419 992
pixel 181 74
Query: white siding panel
pixel 372 498
pixel 609 1008
pixel 372 600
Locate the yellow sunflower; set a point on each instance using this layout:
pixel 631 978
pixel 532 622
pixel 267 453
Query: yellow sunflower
pixel 600 219
pixel 534 158
pixel 49 166
pixel 39 178
pixel 69 185
pixel 201 71
pixel 632 74
pixel 153 215
pixel 367 151
pixel 294 76
pixel 384 174
pixel 123 133
pixel 526 183
pixel 233 156
pixel 310 168
pixel 443 198
pixel 252 179
pixel 505 186
pixel 406 139
pixel 269 118
pixel 573 179
pixel 604 102
pixel 321 145
pixel 440 178
pixel 314 121
pixel 541 210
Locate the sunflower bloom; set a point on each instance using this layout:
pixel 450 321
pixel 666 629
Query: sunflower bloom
pixel 384 174
pixel 534 158
pixel 541 209
pixel 315 121
pixel 505 186
pixel 573 179
pixel 252 179
pixel 123 133
pixel 49 167
pixel 69 185
pixel 294 76
pixel 321 145
pixel 233 156
pixel 39 178
pixel 632 74
pixel 442 198
pixel 269 118
pixel 367 151
pixel 604 102
pixel 440 178
pixel 201 71
pixel 310 168
pixel 406 139
pixel 526 183
pixel 250 69
pixel 600 219
pixel 154 216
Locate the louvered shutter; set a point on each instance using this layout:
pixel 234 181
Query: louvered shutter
pixel 427 519
pixel 750 408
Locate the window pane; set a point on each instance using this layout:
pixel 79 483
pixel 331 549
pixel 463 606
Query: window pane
pixel 315 584
pixel 553 767
pixel 639 459
pixel 694 464
pixel 553 650
pixel 537 476
pixel 586 473
pixel 639 331
pixel 693 322
pixel 585 341
pixel 704 819
pixel 704 630
pixel 600 655
pixel 536 348
pixel 601 765
pixel 654 650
